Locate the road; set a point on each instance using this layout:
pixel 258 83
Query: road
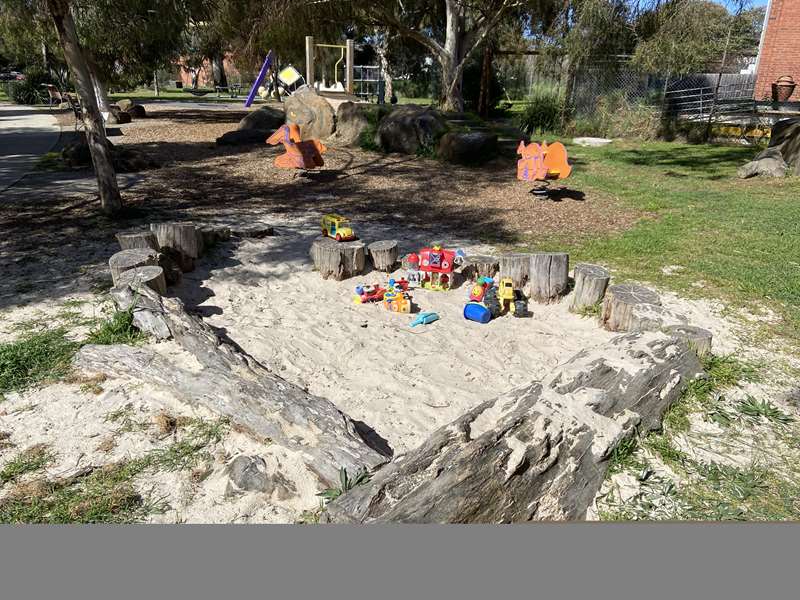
pixel 26 133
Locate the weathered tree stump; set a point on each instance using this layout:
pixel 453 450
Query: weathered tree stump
pixel 591 282
pixel 517 266
pixel 137 239
pixel 480 266
pixel 538 452
pixel 181 237
pixel 549 276
pixel 170 260
pixel 622 306
pixel 699 339
pixel 339 260
pixel 383 254
pixel 125 260
pixel 152 277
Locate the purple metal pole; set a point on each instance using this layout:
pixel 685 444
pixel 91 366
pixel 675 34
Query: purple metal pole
pixel 261 74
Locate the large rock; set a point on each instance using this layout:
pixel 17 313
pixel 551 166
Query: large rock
pixel 136 111
pixel 467 147
pixel 243 137
pixel 410 129
pixel 353 120
pixel 311 112
pixel 266 118
pixel 124 104
pixel 126 160
pixel 117 116
pixel 539 452
pixel 782 156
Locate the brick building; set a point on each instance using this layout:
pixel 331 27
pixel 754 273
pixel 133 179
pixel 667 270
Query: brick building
pixel 779 53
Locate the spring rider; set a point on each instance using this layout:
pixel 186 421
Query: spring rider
pixel 542 164
pixel 299 154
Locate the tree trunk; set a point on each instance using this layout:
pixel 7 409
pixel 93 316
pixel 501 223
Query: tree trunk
pixel 339 260
pixel 591 282
pixel 484 99
pixel 538 452
pixel 110 200
pixel 517 266
pixel 152 277
pixel 137 239
pixel 381 48
pixel 99 87
pixel 629 307
pixel 383 255
pixel 480 266
pixel 549 276
pixel 452 58
pixel 218 70
pixel 125 260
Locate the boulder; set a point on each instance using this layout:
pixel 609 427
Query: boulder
pixel 538 452
pixel 126 160
pixel 410 129
pixel 782 156
pixel 311 112
pixel 266 118
pixel 467 147
pixel 243 137
pixel 117 116
pixel 124 104
pixel 353 120
pixel 137 111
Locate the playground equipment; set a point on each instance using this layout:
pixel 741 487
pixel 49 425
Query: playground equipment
pixel 347 53
pixel 299 154
pixel 542 163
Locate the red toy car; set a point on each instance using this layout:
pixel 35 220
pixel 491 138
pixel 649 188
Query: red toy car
pixel 368 293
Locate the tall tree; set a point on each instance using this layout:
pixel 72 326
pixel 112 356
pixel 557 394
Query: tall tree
pixel 110 200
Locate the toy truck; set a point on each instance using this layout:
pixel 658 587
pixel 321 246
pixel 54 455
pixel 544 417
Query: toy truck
pixel 368 293
pixel 509 300
pixel 337 227
pixel 397 301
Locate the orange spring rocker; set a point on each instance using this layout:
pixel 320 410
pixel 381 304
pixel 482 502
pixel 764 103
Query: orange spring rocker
pixel 298 154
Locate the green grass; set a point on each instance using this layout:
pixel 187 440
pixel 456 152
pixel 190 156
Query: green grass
pixel 51 161
pixel 175 95
pixel 118 329
pixel 739 239
pixel 107 494
pixel 420 101
pixel 35 358
pixel 31 460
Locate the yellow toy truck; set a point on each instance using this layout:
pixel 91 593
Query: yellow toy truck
pixel 337 227
pixel 505 299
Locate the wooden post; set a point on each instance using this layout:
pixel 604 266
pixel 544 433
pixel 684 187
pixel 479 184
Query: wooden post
pixel 339 260
pixel 621 304
pixel 517 266
pixel 349 57
pixel 152 277
pixel 549 276
pixel 124 260
pixel 310 60
pixel 480 266
pixel 137 239
pixel 590 286
pixel 383 255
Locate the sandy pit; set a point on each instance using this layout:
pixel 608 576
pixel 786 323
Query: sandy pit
pixel 404 382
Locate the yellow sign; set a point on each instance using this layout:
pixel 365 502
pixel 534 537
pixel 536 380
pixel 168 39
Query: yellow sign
pixel 289 75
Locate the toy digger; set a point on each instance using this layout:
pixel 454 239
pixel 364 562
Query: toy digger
pixel 541 164
pixel 505 299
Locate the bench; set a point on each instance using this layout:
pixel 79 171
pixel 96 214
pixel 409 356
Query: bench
pixel 234 89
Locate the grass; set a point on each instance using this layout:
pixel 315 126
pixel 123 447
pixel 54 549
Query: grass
pixel 346 483
pixel 31 460
pixel 106 494
pixel 175 95
pixel 42 355
pixel 738 239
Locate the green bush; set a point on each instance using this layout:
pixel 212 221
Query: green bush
pixel 543 112
pixel 616 116
pixel 29 90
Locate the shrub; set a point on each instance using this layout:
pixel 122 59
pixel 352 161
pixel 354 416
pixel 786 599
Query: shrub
pixel 29 90
pixel 616 116
pixel 543 111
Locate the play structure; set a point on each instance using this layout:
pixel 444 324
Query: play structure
pixel 299 154
pixel 542 163
pixel 335 84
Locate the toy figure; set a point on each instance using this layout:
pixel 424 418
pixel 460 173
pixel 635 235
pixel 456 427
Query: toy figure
pixel 299 154
pixel 539 163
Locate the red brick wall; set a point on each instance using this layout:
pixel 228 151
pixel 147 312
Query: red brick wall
pixel 205 79
pixel 780 54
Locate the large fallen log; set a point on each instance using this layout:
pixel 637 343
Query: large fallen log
pixel 539 452
pixel 233 384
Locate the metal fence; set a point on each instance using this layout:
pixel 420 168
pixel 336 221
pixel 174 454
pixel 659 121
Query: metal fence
pixel 368 82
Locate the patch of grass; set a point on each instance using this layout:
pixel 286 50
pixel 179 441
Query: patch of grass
pixel 124 419
pixel 593 310
pixel 757 409
pixel 31 460
pixel 119 329
pixel 661 446
pixel 346 483
pixel 623 457
pixel 50 161
pixel 35 358
pixel 188 451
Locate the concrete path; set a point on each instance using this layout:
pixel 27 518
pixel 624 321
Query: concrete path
pixel 26 133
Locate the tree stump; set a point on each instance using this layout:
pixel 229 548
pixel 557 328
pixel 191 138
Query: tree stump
pixel 591 282
pixel 182 237
pixel 137 239
pixel 549 276
pixel 383 255
pixel 621 304
pixel 517 266
pixel 339 260
pixel 480 266
pixel 699 339
pixel 125 260
pixel 152 277
pixel 253 230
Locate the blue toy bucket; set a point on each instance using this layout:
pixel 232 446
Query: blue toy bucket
pixel 477 312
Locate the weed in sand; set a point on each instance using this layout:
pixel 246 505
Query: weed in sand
pixel 30 460
pixel 346 483
pixel 593 310
pixel 757 409
pixel 35 358
pixel 119 329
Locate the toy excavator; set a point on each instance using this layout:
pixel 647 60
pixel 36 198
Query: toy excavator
pixel 542 163
pixel 299 154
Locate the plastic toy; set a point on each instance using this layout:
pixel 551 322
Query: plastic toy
pixel 401 284
pixel 424 318
pixel 434 268
pixel 368 293
pixel 479 289
pixel 475 311
pixel 509 299
pixel 540 163
pixel 397 301
pixel 337 227
pixel 299 154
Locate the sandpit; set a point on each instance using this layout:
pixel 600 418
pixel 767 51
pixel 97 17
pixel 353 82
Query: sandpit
pixel 403 382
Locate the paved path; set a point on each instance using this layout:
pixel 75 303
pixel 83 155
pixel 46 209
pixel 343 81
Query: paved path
pixel 26 133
